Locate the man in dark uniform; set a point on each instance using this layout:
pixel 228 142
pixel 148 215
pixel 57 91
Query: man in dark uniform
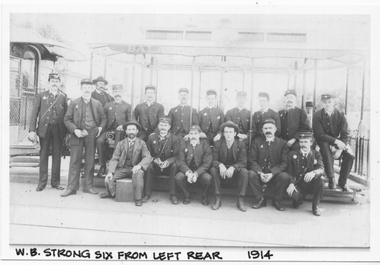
pixel 240 116
pixel 148 113
pixel 309 110
pixel 100 93
pixel 331 132
pixel 49 107
pixel 229 162
pixel 267 164
pixel 180 115
pixel 130 160
pixel 163 147
pixel 117 113
pixel 306 169
pixel 293 121
pixel 264 113
pixel 194 160
pixel 85 120
pixel 210 118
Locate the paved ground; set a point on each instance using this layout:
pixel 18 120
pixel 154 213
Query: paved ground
pixel 84 219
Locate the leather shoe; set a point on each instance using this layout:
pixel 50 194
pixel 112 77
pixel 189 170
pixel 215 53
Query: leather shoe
pixel 91 191
pixel 138 202
pixel 146 198
pixel 102 171
pixel 240 204
pixel 217 203
pixel 58 187
pixel 261 203
pixel 40 189
pixel 277 205
pixel 186 201
pixel 68 193
pixel 332 184
pixel 105 195
pixel 296 204
pixel 205 201
pixel 173 199
pixel 316 211
pixel 345 188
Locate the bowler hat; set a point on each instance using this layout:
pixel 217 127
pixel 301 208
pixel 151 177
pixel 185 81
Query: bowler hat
pixel 100 79
pixel 290 91
pixel 229 124
pixel 125 125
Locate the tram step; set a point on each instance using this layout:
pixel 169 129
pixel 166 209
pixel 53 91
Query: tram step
pixel 17 164
pixel 25 159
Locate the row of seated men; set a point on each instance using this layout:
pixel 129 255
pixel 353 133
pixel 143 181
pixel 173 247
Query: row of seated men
pixel 87 122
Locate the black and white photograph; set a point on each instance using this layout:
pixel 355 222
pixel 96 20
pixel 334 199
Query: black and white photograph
pixel 223 133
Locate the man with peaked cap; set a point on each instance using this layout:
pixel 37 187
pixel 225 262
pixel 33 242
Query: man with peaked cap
pixel 194 161
pixel 117 113
pixel 305 167
pixel 228 165
pixel 293 120
pixel 180 115
pixel 148 113
pixel 100 93
pixel 264 113
pixel 49 108
pixel 163 147
pixel 130 160
pixel 85 120
pixel 211 117
pixel 240 116
pixel 267 160
pixel 331 132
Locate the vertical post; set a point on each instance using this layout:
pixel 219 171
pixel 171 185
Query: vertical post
pixel 133 85
pixel 287 88
pixel 346 100
pixel 200 89
pixel 295 74
pixel 105 67
pixel 142 81
pixel 221 88
pixel 304 85
pixel 91 64
pixel 151 70
pixel 242 88
pixel 251 107
pixel 315 85
pixel 157 84
pixel 192 90
pixel 363 89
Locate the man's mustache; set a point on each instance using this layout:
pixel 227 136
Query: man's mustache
pixel 268 133
pixel 193 138
pixel 289 101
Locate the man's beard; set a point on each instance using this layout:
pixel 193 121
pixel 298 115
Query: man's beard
pixel 131 136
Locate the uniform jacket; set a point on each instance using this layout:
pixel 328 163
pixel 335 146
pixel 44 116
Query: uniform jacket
pixel 235 115
pixel 217 118
pixel 278 151
pixel 120 112
pixel 145 115
pixel 202 157
pixel 219 153
pixel 314 163
pixel 74 115
pixel 170 150
pixel 296 121
pixel 140 156
pixel 175 116
pixel 328 129
pixel 256 122
pixel 41 105
pixel 103 99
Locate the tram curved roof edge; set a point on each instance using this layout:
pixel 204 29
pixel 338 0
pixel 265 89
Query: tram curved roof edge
pixel 48 48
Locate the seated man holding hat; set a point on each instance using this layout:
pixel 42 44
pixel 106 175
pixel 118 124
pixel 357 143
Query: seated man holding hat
pixel 331 132
pixel 267 160
pixel 229 162
pixel 130 159
pixel 194 160
pixel 305 166
pixel 118 112
pixel 163 147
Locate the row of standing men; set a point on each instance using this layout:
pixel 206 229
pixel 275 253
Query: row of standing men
pixel 91 116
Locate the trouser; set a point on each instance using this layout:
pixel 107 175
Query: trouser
pixel 126 172
pixel 241 175
pixel 279 183
pixel 76 154
pixel 52 136
pixel 103 149
pixel 154 169
pixel 315 187
pixel 328 162
pixel 204 179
